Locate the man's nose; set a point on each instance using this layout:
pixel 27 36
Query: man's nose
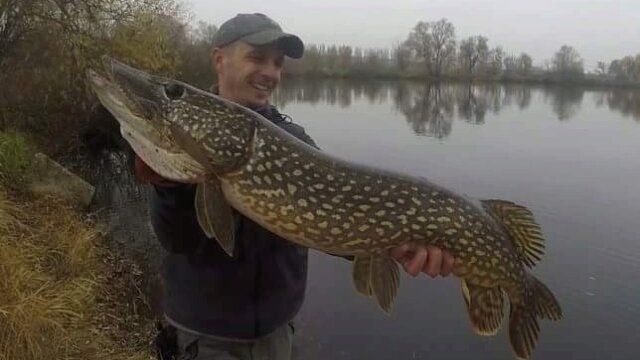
pixel 272 71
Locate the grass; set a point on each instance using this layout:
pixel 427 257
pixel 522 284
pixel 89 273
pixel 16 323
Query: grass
pixel 16 152
pixel 63 293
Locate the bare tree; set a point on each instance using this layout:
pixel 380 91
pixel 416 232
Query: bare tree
pixel 401 54
pixel 601 68
pixel 510 64
pixel 525 64
pixel 567 61
pixel 473 50
pixel 435 43
pixel 627 68
pixel 495 61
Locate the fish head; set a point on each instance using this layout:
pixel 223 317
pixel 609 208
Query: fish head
pixel 175 118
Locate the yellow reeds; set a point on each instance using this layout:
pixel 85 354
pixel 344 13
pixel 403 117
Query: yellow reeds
pixel 51 274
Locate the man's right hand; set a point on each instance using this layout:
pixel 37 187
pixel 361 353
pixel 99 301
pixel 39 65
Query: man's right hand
pixel 146 175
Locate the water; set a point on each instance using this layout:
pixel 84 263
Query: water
pixel 569 154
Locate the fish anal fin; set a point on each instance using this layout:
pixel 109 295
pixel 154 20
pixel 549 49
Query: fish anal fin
pixel 385 280
pixel 520 225
pixel 362 275
pixel 215 215
pixel 485 307
pixel 538 302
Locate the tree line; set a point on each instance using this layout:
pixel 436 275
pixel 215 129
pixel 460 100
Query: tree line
pixel 432 50
pixel 47 45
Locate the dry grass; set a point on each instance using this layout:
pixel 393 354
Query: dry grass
pixel 63 295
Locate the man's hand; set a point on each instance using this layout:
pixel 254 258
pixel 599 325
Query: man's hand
pixel 430 260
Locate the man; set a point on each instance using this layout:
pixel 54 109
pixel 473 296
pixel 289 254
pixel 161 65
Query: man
pixel 240 307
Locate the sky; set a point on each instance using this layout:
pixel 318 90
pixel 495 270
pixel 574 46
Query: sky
pixel 599 30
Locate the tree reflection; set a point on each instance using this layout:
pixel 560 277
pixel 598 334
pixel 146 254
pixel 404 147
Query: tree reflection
pixel 472 104
pixel 626 102
pixel 565 101
pixel 428 109
pixel 331 91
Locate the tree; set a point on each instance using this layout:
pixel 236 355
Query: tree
pixel 401 54
pixel 473 50
pixel 510 64
pixel 567 62
pixel 435 43
pixel 495 61
pixel 601 69
pixel 627 68
pixel 205 33
pixel 525 64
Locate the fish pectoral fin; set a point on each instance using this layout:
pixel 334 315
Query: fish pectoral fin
pixel 485 307
pixel 362 275
pixel 385 280
pixel 215 215
pixel 519 223
pixel 189 145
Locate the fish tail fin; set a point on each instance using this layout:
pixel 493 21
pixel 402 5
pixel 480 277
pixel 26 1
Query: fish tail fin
pixel 538 303
pixel 546 305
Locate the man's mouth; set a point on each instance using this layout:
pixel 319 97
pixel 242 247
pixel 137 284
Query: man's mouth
pixel 262 87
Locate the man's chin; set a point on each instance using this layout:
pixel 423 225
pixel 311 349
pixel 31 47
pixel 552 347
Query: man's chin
pixel 257 102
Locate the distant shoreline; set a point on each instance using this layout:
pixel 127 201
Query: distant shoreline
pixel 545 79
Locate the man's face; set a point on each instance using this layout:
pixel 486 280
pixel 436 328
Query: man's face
pixel 248 74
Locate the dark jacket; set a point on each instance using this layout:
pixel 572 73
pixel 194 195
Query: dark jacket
pixel 246 296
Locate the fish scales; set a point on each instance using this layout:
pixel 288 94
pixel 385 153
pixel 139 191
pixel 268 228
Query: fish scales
pixel 241 160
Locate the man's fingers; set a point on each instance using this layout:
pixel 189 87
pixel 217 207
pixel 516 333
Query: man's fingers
pixel 414 265
pixel 434 264
pixel 399 252
pixel 447 264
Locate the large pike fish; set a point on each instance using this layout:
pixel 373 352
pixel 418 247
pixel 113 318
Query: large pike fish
pixel 241 160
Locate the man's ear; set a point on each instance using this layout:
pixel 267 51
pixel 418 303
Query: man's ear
pixel 216 59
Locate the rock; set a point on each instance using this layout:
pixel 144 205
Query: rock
pixel 47 177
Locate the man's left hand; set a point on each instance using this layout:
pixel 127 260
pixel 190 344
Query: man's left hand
pixel 430 260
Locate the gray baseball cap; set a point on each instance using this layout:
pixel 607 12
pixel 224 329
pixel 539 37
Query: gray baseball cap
pixel 258 29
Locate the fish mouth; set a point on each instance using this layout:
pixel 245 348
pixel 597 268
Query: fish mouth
pixel 133 97
pixel 147 91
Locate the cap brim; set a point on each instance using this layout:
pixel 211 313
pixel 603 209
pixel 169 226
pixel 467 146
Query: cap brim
pixel 290 44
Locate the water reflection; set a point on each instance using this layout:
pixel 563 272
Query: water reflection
pixel 565 101
pixel 472 105
pixel 430 109
pixel 624 101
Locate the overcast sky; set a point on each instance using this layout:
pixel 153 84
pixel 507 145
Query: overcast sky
pixel 598 29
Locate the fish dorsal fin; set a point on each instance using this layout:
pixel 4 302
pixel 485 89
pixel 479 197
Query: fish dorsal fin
pixel 522 228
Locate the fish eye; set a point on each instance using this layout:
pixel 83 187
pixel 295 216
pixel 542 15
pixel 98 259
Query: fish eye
pixel 174 91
